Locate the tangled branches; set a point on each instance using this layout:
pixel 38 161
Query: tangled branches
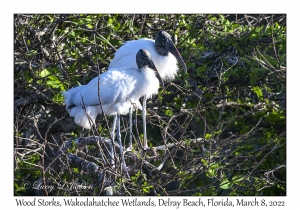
pixel 218 130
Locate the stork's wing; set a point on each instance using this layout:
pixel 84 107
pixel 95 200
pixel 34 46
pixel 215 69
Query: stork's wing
pixel 114 86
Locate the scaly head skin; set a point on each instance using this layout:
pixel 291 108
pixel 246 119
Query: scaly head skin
pixel 164 44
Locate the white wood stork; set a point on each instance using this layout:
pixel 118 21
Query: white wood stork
pixel 117 89
pixel 164 55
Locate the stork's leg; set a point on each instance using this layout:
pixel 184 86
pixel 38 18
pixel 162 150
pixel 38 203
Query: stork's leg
pixel 121 147
pixel 130 129
pixel 112 155
pixel 144 122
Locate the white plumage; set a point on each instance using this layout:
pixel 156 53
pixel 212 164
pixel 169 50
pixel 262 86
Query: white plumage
pixel 164 55
pixel 162 51
pixel 119 88
pixel 113 93
pixel 166 66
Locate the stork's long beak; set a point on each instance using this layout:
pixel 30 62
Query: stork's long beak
pixel 159 78
pixel 152 66
pixel 172 49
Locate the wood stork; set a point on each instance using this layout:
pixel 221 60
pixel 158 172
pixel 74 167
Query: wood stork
pixel 117 89
pixel 164 55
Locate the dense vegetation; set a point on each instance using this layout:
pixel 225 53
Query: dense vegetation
pixel 220 129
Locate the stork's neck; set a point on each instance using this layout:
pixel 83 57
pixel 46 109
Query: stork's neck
pixel 148 73
pixel 149 85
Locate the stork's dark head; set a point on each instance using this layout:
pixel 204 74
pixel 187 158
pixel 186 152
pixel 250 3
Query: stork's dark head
pixel 143 59
pixel 164 45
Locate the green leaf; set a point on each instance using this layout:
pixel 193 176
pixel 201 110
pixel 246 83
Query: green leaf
pixel 207 136
pixel 169 113
pixel 58 98
pixel 245 60
pixel 204 161
pixel 245 130
pixel 110 20
pixel 215 165
pixel 271 60
pixel 222 17
pixel 225 184
pixel 235 25
pixel 76 170
pixel 190 65
pixel 258 92
pixel 20 189
pixel 190 176
pixel 54 84
pixel 71 34
pixel 238 178
pixel 52 77
pixel 44 73
pixel 146 189
pixel 211 173
pixel 201 69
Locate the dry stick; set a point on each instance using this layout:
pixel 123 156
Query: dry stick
pixel 25 44
pixel 80 143
pixel 106 121
pixel 91 124
pixel 275 169
pixel 164 136
pixel 47 134
pixel 246 17
pixel 166 150
pixel 106 41
pixel 112 140
pixel 273 43
pixel 56 157
pixel 198 104
pixel 43 169
pixel 70 172
pixel 268 178
pixel 92 141
pixel 171 137
pixel 42 156
pixel 265 63
pixel 86 166
pixel 102 183
pixel 88 141
pixel 35 151
pixel 100 149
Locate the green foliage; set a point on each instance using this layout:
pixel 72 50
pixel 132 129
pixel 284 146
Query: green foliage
pixel 19 190
pixel 233 97
pixel 146 187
